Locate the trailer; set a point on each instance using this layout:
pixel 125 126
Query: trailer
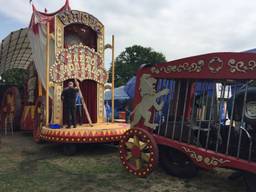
pixel 194 113
pixel 56 48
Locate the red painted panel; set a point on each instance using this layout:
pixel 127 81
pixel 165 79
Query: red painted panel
pixel 223 65
pixel 207 159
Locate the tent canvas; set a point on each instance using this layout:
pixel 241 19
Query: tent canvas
pixel 120 94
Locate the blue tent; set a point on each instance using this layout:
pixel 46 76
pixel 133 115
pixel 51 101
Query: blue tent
pixel 120 94
pixel 121 98
pixel 130 87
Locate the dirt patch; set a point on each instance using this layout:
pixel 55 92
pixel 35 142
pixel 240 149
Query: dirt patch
pixel 26 166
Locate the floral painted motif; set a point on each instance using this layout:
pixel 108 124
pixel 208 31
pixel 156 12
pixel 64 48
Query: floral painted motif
pixel 209 161
pixel 241 66
pixel 185 67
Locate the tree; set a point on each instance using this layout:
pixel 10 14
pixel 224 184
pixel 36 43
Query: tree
pixel 16 77
pixel 129 61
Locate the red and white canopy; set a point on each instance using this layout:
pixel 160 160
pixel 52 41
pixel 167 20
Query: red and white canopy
pixel 23 46
pixel 37 35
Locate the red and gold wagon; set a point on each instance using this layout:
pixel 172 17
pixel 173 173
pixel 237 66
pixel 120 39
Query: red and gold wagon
pixel 56 48
pixel 192 113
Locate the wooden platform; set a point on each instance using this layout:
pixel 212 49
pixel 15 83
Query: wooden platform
pixel 98 133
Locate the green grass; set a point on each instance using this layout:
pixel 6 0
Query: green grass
pixel 26 166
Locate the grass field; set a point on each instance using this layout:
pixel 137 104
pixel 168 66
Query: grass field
pixel 26 166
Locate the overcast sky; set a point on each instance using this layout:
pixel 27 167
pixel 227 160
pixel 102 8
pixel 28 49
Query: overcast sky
pixel 177 28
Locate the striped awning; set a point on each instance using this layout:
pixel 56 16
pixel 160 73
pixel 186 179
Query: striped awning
pixel 15 51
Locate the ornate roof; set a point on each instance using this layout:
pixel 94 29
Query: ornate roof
pixel 15 51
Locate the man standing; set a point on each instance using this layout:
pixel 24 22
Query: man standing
pixel 68 97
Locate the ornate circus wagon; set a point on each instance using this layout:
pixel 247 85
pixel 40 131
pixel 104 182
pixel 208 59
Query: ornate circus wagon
pixel 67 45
pixel 196 112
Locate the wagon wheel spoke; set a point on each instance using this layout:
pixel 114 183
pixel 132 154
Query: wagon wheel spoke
pixel 136 141
pixel 129 156
pixel 129 145
pixel 143 146
pixel 138 163
pixel 145 157
pixel 139 152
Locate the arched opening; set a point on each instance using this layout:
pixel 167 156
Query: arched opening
pixel 76 34
pixel 89 92
pixel 79 33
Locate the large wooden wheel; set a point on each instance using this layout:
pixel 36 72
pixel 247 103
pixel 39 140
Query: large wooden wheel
pixel 138 152
pixel 39 119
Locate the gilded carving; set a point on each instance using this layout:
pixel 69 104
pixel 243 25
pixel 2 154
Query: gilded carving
pixel 74 16
pixel 148 100
pixel 57 87
pixel 209 161
pixel 59 37
pixel 215 65
pixel 57 109
pixel 185 67
pixel 79 62
pixel 100 103
pixel 241 66
pixel 59 34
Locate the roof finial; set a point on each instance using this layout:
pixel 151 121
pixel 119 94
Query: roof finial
pixel 33 8
pixel 67 5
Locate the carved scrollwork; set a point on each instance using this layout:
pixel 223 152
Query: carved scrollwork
pixel 241 66
pixel 209 161
pixel 185 67
pixel 69 17
pixel 215 65
pixel 78 61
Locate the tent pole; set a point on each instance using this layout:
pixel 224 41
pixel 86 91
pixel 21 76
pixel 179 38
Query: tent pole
pixel 47 74
pixel 113 78
pixel 39 91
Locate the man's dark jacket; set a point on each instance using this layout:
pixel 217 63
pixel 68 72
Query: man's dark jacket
pixel 69 96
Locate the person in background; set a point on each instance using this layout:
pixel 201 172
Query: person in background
pixel 68 97
pixel 108 111
pixel 79 108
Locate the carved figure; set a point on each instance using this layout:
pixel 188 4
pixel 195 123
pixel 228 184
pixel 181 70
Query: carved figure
pixel 148 100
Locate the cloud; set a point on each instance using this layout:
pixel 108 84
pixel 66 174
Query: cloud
pixel 177 28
